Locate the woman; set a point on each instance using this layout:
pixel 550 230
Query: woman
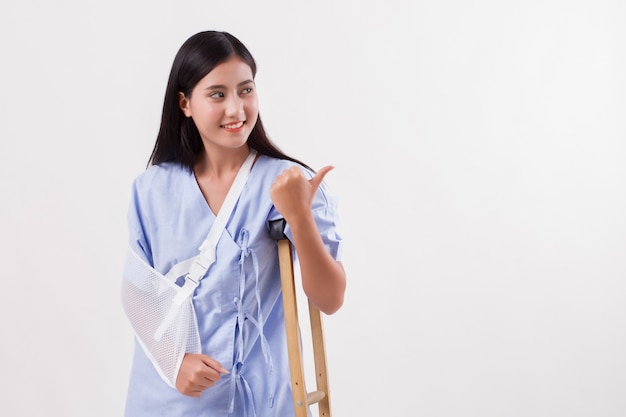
pixel 210 125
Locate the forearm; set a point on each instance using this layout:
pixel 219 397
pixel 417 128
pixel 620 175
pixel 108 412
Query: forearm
pixel 323 278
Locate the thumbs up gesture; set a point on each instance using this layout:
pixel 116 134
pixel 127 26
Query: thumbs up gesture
pixel 293 194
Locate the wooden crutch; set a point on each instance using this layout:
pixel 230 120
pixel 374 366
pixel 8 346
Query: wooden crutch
pixel 301 399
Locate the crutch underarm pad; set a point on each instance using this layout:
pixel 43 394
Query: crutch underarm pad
pixel 277 229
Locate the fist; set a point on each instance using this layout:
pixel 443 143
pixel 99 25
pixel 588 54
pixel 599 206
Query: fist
pixel 292 194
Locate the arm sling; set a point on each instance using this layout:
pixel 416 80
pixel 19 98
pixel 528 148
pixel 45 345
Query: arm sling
pixel 160 311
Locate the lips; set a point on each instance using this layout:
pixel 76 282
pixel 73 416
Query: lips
pixel 233 126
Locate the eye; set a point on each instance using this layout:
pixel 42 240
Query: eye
pixel 217 94
pixel 246 90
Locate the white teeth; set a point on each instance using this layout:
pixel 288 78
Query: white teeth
pixel 234 126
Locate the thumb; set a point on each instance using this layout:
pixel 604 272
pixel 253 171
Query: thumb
pixel 319 177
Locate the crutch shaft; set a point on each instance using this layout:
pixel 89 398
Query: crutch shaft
pixel 321 395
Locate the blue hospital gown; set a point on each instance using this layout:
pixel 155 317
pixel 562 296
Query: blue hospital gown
pixel 238 303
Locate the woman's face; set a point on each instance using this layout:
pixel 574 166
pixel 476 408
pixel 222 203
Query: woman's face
pixel 223 105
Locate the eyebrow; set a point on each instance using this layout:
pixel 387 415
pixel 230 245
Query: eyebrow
pixel 217 86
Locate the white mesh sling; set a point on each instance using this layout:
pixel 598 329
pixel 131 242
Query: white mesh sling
pixel 161 312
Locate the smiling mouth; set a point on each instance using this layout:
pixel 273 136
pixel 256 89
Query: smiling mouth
pixel 233 125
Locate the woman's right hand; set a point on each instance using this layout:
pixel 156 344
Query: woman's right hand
pixel 197 373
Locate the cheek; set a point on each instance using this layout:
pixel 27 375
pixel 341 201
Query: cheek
pixel 252 109
pixel 206 113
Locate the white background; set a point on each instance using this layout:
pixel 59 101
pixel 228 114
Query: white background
pixel 479 150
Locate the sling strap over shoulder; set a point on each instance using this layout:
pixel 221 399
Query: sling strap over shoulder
pixel 198 265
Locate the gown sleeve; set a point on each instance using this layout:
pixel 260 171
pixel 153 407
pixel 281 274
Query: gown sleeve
pixel 137 222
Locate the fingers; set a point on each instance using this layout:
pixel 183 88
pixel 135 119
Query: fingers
pixel 196 383
pixel 197 373
pixel 288 174
pixel 212 363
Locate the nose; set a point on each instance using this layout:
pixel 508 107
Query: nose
pixel 234 105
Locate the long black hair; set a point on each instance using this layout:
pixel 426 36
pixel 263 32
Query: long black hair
pixel 178 139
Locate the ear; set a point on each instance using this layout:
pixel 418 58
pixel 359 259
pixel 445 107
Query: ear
pixel 183 103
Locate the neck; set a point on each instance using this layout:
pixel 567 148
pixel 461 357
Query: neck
pixel 217 164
